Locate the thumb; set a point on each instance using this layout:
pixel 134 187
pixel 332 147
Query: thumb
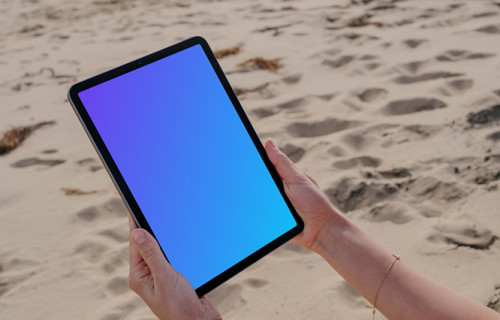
pixel 287 170
pixel 150 251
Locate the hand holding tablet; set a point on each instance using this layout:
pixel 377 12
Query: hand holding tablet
pixel 171 296
pixel 187 161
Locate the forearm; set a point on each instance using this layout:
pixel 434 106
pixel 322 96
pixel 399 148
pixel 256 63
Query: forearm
pixel 405 294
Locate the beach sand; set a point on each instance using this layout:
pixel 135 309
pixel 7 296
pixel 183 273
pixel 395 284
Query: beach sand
pixel 392 106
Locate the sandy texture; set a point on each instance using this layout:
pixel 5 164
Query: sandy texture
pixel 394 107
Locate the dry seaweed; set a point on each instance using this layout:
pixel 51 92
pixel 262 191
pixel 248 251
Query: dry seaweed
pixel 76 191
pixel 219 54
pixel 262 63
pixel 14 137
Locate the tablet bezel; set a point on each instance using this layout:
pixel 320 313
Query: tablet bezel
pixel 122 186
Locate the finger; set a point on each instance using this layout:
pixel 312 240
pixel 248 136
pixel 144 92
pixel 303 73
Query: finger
pixel 135 257
pixel 150 252
pixel 285 167
pixel 210 310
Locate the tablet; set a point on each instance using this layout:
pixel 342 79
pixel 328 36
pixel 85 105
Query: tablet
pixel 187 162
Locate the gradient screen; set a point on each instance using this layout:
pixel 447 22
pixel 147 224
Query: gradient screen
pixel 189 162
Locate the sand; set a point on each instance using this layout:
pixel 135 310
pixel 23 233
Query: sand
pixel 392 106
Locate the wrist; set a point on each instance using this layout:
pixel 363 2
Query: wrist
pixel 331 234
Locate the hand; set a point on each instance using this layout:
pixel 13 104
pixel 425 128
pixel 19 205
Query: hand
pixel 167 293
pixel 304 193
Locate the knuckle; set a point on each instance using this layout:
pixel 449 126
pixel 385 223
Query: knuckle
pixel 149 253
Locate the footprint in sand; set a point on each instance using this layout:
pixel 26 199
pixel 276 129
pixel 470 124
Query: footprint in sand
pixel 415 67
pixel 494 300
pixel 294 103
pixel 11 282
pixel 260 91
pixel 495 136
pixel 340 62
pixel 90 163
pixel 292 79
pixel 115 260
pixel 372 94
pixel 22 271
pixel 423 188
pixel 264 112
pixel 319 128
pixel 485 117
pixel 419 132
pixel 363 139
pixel 460 85
pixel 490 29
pixel 91 250
pixel 256 283
pixel 113 208
pixel 350 195
pixel 455 87
pixel 395 173
pixel 390 211
pixel 118 285
pixel 28 162
pixel 463 233
pixel 415 43
pixel 228 296
pixel 116 234
pixel 404 79
pixel 459 55
pixel 362 161
pixel 371 66
pixel 293 152
pixel 368 57
pixel 292 106
pixel 3 285
pixel 33 29
pixel 408 106
pixel 387 135
pixel 336 151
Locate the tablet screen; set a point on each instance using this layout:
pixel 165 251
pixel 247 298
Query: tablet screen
pixel 189 162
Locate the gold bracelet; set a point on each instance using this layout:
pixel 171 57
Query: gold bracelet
pixel 396 257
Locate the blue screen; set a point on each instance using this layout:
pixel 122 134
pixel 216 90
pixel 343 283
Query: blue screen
pixel 189 162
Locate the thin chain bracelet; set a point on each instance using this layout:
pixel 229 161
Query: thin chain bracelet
pixel 396 257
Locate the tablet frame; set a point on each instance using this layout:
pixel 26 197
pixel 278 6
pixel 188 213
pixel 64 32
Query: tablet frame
pixel 122 186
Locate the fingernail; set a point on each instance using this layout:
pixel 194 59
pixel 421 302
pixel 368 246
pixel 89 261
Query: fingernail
pixel 139 236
